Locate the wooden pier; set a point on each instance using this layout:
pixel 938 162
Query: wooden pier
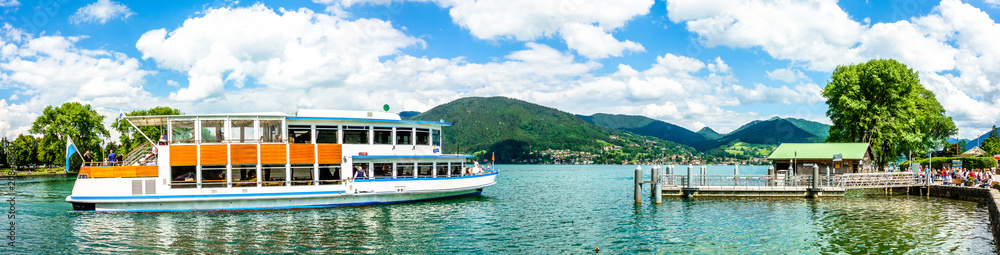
pixel 779 185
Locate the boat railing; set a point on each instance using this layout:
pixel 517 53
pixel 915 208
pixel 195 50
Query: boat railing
pixel 144 153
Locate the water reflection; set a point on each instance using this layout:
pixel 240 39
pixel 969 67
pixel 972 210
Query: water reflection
pixel 560 209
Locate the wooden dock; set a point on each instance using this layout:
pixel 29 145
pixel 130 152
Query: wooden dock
pixel 810 186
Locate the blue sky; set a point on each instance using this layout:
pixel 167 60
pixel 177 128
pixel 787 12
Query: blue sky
pixel 718 64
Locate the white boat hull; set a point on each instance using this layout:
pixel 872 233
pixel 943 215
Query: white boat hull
pixel 351 193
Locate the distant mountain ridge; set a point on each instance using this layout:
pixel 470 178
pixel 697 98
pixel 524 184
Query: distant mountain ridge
pixel 771 131
pixel 646 126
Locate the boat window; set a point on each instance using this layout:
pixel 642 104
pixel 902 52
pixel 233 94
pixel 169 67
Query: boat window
pixel 182 177
pixel 244 176
pixel 270 131
pixel 436 137
pixel 442 169
pixel 383 135
pixel 423 136
pixel 383 170
pixel 302 174
pixel 404 170
pixel 182 131
pixel 326 134
pixel 329 174
pixel 299 134
pixel 424 170
pixel 355 135
pixel 213 176
pixel 273 175
pixel 241 131
pixel 404 136
pixel 211 131
pixel 455 169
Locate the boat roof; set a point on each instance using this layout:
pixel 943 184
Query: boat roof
pixel 302 114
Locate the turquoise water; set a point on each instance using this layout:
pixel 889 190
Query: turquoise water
pixel 533 210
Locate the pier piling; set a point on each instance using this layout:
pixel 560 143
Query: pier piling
pixel 657 186
pixel 638 184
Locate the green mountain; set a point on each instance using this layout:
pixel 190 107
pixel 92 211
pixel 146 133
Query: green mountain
pixel 709 133
pixel 778 130
pixel 515 129
pixel 646 126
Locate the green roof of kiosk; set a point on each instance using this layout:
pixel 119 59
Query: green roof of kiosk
pixel 819 150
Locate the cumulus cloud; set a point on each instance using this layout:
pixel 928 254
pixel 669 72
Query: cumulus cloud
pixel 100 12
pixel 786 75
pixel 953 47
pixel 9 3
pixel 51 70
pixel 285 49
pixel 584 25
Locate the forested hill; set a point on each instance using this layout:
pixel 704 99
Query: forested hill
pixel 515 128
pixel 646 126
pixel 778 130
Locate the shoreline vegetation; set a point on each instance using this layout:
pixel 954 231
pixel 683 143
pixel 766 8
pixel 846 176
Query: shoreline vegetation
pixel 36 172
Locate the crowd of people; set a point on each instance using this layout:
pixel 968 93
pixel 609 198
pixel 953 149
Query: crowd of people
pixel 982 178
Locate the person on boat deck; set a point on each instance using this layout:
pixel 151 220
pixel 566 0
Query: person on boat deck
pixel 86 158
pixel 111 157
pixel 359 173
pixel 163 138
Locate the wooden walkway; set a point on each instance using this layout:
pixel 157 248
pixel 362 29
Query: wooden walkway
pixel 781 186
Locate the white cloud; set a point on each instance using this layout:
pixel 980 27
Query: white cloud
pixel 9 3
pixel 100 12
pixel 51 70
pixel 817 32
pixel 291 49
pixel 786 75
pixel 592 42
pixel 584 25
pixel 953 47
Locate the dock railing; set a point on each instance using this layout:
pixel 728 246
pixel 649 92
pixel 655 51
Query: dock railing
pixel 771 182
pixel 744 182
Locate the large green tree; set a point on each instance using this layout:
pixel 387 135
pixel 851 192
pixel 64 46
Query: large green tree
pixel 25 151
pixel 130 138
pixel 992 142
pixel 881 102
pixel 74 120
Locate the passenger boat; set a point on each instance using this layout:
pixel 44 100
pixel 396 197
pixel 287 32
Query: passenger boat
pixel 305 160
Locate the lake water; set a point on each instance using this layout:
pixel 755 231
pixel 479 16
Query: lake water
pixel 532 210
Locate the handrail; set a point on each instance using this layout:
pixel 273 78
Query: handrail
pixel 845 181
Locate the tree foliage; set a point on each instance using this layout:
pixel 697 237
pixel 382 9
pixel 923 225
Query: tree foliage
pixel 992 143
pixel 881 102
pixel 79 122
pixel 25 151
pixel 130 138
pixel 4 147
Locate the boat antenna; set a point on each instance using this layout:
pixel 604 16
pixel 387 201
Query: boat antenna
pixel 385 107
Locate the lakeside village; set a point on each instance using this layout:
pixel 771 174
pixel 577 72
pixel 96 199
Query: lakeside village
pixel 649 152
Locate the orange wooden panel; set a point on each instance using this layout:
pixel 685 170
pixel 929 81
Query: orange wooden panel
pixel 272 154
pixel 330 153
pixel 85 170
pixel 301 154
pixel 147 171
pixel 183 155
pixel 102 172
pixel 214 154
pixel 243 154
pixel 124 171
